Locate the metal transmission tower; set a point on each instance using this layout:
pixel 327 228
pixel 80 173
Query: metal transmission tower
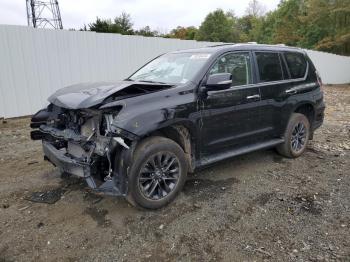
pixel 43 14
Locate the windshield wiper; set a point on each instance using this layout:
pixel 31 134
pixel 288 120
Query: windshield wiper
pixel 150 81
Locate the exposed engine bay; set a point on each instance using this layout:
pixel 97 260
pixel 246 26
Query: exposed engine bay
pixel 85 140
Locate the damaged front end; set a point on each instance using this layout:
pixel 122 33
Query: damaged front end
pixel 85 143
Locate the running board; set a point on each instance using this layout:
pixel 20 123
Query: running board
pixel 240 151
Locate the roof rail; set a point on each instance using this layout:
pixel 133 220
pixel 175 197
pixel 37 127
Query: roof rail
pixel 222 44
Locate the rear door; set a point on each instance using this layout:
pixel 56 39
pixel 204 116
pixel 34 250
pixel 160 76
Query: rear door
pixel 281 76
pixel 274 82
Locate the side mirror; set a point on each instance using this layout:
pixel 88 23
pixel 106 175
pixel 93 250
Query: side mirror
pixel 219 81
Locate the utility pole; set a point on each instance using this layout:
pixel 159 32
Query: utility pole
pixel 44 14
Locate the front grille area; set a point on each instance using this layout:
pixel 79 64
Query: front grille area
pixel 79 122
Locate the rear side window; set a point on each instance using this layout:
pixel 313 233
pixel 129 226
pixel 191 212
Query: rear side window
pixel 269 65
pixel 297 64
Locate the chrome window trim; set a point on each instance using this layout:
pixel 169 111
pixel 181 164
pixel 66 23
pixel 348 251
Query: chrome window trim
pixel 285 80
pixel 259 84
pixel 232 88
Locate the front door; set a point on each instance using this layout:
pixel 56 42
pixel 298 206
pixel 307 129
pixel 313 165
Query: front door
pixel 230 118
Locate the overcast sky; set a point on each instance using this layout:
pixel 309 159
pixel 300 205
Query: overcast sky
pixel 162 15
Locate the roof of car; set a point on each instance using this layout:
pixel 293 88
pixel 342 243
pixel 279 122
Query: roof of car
pixel 243 46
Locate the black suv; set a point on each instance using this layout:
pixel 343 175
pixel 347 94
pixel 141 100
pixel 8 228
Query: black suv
pixel 183 110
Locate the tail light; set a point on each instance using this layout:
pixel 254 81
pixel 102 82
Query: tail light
pixel 319 80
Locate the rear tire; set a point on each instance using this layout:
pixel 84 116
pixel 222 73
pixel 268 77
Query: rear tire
pixel 157 174
pixel 296 136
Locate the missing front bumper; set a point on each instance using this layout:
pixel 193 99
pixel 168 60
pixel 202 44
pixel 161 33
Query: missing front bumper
pixel 65 163
pixel 79 168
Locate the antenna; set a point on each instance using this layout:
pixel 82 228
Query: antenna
pixel 44 14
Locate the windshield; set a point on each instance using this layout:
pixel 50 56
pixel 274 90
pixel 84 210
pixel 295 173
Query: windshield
pixel 171 68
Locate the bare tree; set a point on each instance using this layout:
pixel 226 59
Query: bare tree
pixel 255 8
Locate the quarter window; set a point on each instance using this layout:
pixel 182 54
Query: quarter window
pixel 269 65
pixel 296 64
pixel 238 64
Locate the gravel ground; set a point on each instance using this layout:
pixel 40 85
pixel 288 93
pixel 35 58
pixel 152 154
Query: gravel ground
pixel 255 207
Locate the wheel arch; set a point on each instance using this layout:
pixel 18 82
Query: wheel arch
pixel 307 109
pixel 182 134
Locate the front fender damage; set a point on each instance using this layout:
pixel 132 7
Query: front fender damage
pixel 101 138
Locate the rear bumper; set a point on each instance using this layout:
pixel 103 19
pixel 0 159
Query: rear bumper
pixel 319 116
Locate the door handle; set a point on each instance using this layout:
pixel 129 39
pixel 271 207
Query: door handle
pixel 253 97
pixel 291 91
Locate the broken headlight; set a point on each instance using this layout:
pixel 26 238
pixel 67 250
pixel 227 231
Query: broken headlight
pixel 108 126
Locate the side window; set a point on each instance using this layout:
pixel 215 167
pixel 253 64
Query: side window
pixel 238 64
pixel 296 64
pixel 269 65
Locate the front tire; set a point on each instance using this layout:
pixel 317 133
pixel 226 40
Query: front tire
pixel 157 174
pixel 296 136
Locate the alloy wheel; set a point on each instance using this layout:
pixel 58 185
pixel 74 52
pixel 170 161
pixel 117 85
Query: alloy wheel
pixel 298 138
pixel 159 175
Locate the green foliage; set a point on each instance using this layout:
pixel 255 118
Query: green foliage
pixel 146 31
pixel 122 25
pixel 250 28
pixel 331 21
pixel 287 23
pixel 185 33
pixel 217 27
pixel 313 24
pixel 100 25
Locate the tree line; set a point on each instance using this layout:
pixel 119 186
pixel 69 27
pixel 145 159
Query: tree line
pixel 314 24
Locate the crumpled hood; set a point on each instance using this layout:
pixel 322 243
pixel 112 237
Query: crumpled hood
pixel 86 95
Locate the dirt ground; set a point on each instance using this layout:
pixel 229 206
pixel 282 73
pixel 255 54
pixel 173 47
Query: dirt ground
pixel 255 207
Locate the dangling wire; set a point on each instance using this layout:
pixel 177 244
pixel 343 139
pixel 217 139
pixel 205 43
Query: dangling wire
pixel 108 154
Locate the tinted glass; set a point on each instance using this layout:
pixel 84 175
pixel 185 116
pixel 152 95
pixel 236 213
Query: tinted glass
pixel 284 68
pixel 269 65
pixel 296 64
pixel 238 64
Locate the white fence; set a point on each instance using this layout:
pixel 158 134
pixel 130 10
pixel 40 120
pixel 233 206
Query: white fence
pixel 334 69
pixel 36 62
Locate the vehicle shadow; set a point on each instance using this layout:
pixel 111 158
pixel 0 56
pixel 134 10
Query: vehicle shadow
pixel 200 185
